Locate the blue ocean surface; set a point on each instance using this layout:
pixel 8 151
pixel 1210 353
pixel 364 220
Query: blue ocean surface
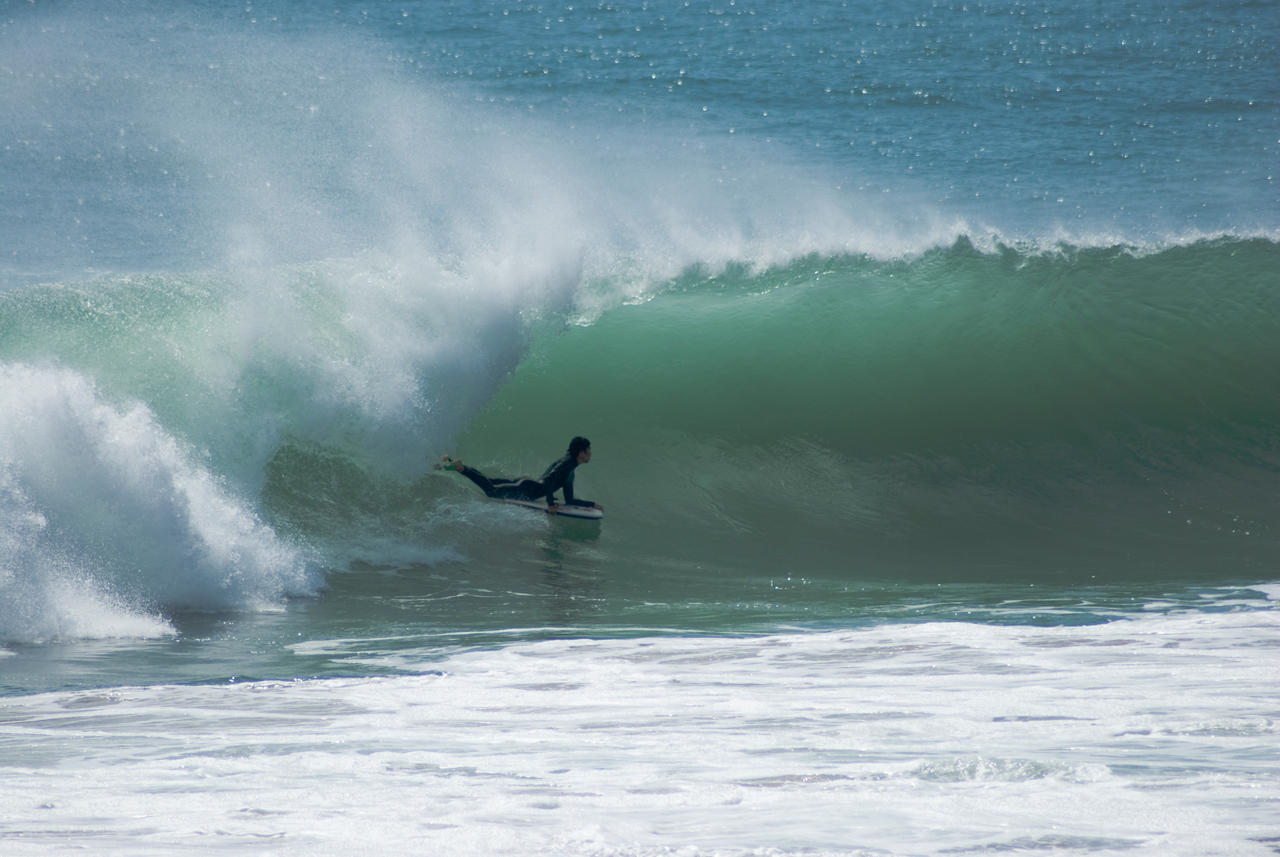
pixel 928 352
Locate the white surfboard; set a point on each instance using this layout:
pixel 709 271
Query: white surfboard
pixel 589 512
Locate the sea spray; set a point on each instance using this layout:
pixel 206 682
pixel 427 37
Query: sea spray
pixel 217 147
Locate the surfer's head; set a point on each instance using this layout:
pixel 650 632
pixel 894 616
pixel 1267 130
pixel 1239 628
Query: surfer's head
pixel 580 449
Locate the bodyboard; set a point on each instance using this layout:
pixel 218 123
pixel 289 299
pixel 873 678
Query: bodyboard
pixel 588 512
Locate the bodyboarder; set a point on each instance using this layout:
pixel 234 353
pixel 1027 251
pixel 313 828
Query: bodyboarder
pixel 557 477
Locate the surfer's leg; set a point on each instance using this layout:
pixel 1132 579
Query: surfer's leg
pixel 486 485
pixel 531 489
pixel 517 489
pixel 523 488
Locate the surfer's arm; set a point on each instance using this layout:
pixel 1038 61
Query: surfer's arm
pixel 569 499
pixel 550 486
pixel 559 475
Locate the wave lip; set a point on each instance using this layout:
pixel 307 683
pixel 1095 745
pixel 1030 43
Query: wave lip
pixel 106 522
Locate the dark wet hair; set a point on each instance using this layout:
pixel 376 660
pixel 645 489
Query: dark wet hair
pixel 578 444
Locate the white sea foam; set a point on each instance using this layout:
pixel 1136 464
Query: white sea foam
pixel 1272 590
pixel 107 521
pixel 1151 736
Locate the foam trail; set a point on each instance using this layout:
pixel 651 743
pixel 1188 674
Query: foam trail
pixel 107 522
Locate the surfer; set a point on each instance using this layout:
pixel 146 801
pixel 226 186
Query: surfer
pixel 557 477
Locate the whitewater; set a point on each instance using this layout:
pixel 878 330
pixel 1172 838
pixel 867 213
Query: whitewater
pixel 928 355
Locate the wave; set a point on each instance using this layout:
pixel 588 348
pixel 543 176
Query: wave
pixel 179 441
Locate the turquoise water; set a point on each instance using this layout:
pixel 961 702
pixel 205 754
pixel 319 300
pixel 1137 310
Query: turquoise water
pixel 928 355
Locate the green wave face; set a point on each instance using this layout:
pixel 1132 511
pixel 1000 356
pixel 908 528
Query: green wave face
pixel 960 412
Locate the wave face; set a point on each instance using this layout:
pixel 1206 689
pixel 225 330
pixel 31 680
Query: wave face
pixel 1096 411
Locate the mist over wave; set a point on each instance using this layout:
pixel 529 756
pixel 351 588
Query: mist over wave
pixel 211 142
pixel 214 145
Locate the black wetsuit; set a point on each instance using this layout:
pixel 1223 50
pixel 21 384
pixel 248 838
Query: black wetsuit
pixel 557 477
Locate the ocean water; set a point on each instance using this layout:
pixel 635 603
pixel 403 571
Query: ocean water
pixel 929 354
